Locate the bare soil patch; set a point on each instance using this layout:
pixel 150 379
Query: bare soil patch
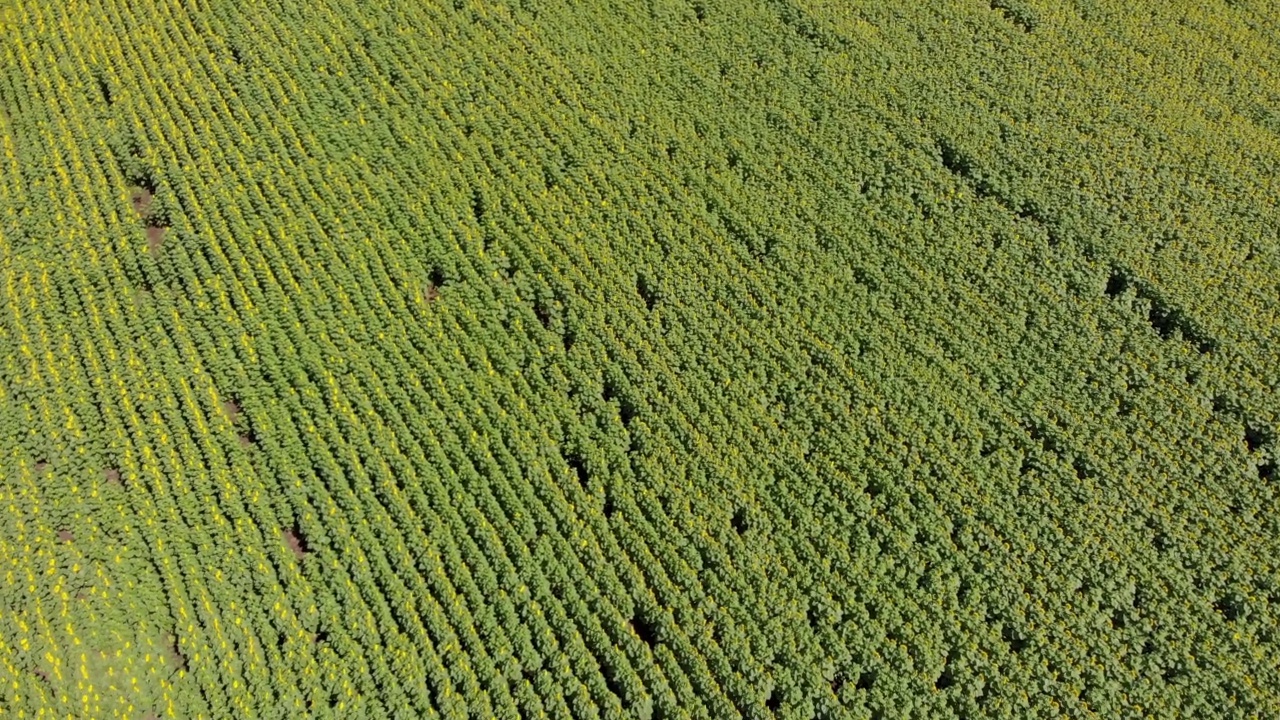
pixel 66 535
pixel 112 475
pixel 140 198
pixel 155 237
pixel 173 654
pixel 232 410
pixel 295 541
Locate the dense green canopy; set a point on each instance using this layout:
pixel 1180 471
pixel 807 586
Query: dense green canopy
pixel 663 359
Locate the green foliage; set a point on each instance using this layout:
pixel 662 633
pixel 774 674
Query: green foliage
pixel 793 358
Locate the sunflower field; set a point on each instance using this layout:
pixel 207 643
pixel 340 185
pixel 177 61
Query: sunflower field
pixel 652 359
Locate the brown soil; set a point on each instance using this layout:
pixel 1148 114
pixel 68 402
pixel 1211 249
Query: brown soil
pixel 42 465
pixel 432 293
pixel 246 441
pixel 155 237
pixel 113 476
pixel 141 199
pixel 66 536
pixel 232 410
pixel 294 542
pixel 175 656
pixel 43 675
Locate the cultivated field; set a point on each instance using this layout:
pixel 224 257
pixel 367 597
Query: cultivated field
pixel 662 359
